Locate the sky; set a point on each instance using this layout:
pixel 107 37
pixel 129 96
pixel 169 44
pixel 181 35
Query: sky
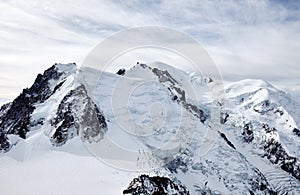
pixel 246 39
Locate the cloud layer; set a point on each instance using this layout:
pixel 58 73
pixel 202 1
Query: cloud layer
pixel 246 39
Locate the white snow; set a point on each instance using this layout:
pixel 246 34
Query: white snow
pixel 59 172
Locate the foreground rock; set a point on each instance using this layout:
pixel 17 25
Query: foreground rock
pixel 145 184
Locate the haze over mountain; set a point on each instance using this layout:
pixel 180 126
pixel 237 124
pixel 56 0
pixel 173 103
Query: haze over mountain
pixel 246 39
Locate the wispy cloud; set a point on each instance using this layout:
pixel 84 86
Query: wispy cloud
pixel 247 39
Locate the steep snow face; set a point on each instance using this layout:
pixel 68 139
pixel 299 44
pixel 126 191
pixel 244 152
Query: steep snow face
pixel 195 87
pixel 263 123
pixel 191 91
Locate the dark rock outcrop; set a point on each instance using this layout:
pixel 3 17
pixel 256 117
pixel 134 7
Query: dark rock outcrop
pixel 156 185
pixel 226 140
pixel 264 107
pixel 77 114
pixel 275 152
pixel 4 143
pixel 247 133
pixel 296 131
pixel 121 71
pixel 224 117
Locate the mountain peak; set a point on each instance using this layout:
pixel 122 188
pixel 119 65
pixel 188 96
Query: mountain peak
pixel 66 68
pixel 16 119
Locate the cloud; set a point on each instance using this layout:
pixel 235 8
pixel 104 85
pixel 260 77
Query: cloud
pixel 247 39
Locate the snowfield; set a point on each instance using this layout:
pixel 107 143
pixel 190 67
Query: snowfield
pixel 67 170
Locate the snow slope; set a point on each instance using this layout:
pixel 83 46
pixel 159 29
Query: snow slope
pixel 42 169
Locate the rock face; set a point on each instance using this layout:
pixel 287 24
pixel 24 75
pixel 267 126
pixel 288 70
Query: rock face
pixel 275 152
pixel 15 116
pixel 145 184
pixel 78 112
pixel 4 143
pixel 247 133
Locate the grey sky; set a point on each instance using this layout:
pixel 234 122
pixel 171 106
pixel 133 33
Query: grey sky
pixel 246 39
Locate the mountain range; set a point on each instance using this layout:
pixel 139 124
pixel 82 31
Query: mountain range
pixel 173 135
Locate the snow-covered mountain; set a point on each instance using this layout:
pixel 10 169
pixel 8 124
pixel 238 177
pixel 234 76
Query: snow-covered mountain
pixel 263 125
pixel 46 131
